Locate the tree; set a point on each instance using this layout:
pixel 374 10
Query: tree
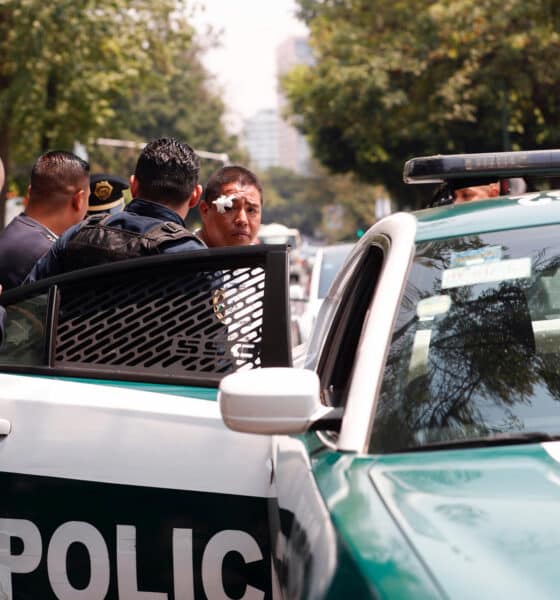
pixel 414 77
pixel 319 205
pixel 189 110
pixel 76 69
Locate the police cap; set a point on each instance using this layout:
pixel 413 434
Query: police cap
pixel 106 193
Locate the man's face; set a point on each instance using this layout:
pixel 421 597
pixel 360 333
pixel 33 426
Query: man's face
pixel 476 192
pixel 235 226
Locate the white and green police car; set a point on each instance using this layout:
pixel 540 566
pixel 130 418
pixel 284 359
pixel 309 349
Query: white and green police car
pixel 118 477
pixel 414 457
pixel 418 455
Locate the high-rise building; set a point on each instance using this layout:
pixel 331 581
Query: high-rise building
pixel 269 138
pixel 293 150
pixel 261 138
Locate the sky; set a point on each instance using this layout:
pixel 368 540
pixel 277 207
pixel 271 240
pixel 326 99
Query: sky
pixel 245 63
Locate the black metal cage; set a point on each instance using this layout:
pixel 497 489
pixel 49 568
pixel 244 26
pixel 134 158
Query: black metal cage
pixel 186 318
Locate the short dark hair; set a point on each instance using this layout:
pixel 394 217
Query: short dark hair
pixel 229 174
pixel 56 173
pixel 167 171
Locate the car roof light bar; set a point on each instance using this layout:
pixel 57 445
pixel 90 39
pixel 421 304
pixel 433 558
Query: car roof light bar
pixel 444 167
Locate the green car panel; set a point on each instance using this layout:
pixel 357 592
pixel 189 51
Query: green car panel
pixel 201 393
pixel 482 519
pixel 470 523
pixel 497 214
pixel 373 554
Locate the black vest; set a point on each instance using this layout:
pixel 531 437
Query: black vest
pixel 96 243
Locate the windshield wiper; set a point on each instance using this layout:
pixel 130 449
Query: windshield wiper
pixel 495 439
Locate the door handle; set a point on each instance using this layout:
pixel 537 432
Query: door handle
pixel 5 427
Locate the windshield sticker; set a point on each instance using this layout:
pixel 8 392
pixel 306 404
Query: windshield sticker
pixel 546 333
pixel 475 257
pixel 500 270
pixel 420 352
pixel 431 307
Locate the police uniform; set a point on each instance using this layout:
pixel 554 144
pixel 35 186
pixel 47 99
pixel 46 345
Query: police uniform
pixel 106 193
pixel 22 243
pixel 139 217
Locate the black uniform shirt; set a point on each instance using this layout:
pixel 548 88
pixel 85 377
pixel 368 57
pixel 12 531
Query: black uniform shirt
pixel 22 243
pixel 139 216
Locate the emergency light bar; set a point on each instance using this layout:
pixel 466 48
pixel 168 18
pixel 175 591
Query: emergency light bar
pixel 441 168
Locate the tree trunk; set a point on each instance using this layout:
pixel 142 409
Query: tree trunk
pixel 5 156
pixel 50 105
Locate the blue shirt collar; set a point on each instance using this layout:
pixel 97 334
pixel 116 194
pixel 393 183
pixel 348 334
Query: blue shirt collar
pixel 147 208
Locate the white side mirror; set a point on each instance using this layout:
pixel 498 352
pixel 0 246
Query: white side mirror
pixel 272 400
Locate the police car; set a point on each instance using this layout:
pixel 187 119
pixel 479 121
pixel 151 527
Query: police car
pixel 118 477
pixel 417 455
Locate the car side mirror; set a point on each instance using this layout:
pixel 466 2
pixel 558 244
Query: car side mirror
pixel 275 400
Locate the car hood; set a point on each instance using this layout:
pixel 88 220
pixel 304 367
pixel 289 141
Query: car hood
pixel 484 521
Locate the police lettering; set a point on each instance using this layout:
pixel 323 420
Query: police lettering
pixel 26 560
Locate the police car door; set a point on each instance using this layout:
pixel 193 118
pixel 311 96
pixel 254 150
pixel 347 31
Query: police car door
pixel 118 477
pixel 306 551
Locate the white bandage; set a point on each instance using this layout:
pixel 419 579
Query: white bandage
pixel 224 202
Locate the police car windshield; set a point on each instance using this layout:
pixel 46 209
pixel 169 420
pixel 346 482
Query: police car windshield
pixel 476 346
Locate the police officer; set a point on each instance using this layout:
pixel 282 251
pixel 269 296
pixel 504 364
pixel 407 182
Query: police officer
pixel 57 199
pixel 459 191
pixel 106 193
pixel 164 187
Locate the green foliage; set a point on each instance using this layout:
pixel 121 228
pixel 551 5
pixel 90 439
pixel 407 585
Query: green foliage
pixel 188 110
pixel 326 206
pixel 83 69
pixel 411 77
pixel 67 63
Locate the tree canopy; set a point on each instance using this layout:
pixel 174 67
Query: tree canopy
pixel 331 207
pixel 396 79
pixel 81 69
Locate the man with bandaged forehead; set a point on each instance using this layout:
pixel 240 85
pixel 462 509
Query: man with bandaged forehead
pixel 231 208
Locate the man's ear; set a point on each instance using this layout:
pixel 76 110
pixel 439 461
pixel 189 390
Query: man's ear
pixel 80 201
pixel 203 209
pixel 134 187
pixel 195 196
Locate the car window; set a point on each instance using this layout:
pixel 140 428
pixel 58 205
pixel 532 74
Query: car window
pixel 332 260
pixel 476 346
pixel 25 338
pixel 337 360
pixel 169 319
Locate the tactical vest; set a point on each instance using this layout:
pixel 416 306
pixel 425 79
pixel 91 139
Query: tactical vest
pixel 97 243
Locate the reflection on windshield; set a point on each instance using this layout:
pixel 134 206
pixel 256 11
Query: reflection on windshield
pixel 476 347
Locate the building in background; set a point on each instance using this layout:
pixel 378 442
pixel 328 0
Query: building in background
pixel 261 138
pixel 269 139
pixel 293 150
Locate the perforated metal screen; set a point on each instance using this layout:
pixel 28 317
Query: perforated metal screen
pixel 205 322
pixel 171 320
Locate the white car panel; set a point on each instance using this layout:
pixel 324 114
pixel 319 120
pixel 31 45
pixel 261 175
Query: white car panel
pixel 99 433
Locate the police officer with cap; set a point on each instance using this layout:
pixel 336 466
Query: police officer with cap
pixel 106 193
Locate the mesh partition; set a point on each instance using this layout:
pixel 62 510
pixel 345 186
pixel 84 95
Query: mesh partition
pixel 186 318
pixel 204 322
